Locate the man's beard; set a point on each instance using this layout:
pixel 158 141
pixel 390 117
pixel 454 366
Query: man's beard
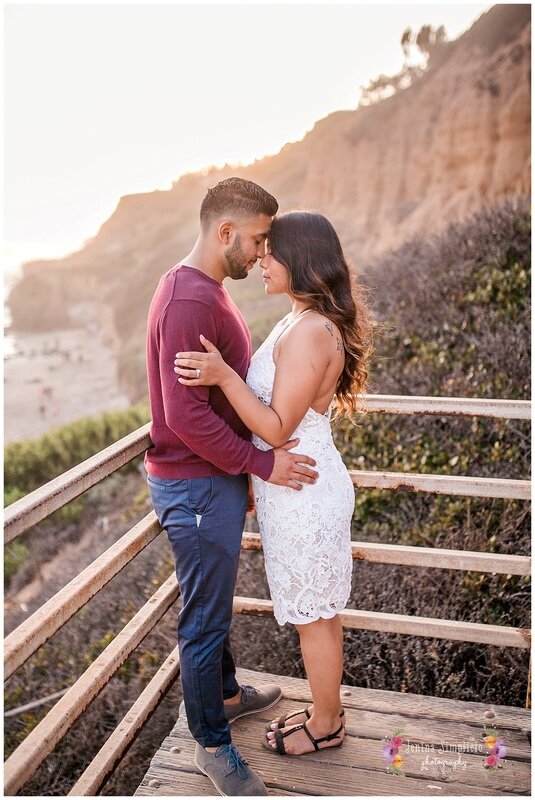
pixel 236 260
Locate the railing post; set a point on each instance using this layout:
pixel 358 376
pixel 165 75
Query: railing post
pixel 528 692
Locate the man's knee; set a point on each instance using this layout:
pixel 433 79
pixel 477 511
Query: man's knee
pixel 206 628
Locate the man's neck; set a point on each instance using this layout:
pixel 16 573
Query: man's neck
pixel 203 259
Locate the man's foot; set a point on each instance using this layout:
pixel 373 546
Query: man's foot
pixel 252 700
pixel 296 740
pixel 229 771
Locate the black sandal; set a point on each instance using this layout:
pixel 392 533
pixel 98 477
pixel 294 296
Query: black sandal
pixel 279 739
pixel 284 719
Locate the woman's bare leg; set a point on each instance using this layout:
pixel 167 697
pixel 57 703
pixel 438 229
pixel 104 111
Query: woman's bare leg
pixel 322 649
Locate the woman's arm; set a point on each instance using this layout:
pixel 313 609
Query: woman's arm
pixel 305 354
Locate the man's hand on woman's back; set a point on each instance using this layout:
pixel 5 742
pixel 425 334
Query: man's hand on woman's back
pixel 290 469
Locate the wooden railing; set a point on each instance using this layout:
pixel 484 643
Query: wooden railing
pixel 49 618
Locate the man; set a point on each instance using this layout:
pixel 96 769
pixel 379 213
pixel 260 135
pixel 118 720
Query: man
pixel 197 468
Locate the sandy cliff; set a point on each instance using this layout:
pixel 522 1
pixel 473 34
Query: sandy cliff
pixel 457 139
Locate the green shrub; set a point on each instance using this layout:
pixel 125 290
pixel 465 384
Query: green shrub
pixel 33 462
pixel 15 554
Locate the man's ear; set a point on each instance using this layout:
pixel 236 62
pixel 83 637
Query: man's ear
pixel 225 232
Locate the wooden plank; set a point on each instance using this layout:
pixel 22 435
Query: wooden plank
pixel 156 783
pixel 109 755
pixel 49 618
pixel 422 761
pixel 528 690
pixel 25 760
pixel 439 733
pixel 309 775
pixel 442 756
pixel 36 506
pixel 498 635
pixel 468 560
pixel 424 557
pixel 359 767
pixel 409 705
pixel 357 753
pixel 312 774
pixel 448 406
pixel 442 484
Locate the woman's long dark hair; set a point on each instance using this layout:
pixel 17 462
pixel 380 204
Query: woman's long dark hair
pixel 308 246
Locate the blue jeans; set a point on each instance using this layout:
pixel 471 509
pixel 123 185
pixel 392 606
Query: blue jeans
pixel 204 520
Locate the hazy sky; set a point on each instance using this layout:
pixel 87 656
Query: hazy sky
pixel 106 100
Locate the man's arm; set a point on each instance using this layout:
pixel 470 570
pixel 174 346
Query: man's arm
pixel 304 358
pixel 196 424
pixel 187 411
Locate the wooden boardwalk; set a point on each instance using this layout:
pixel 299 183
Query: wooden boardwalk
pixel 443 749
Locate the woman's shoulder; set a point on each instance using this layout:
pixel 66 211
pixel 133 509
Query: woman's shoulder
pixel 316 330
pixel 313 322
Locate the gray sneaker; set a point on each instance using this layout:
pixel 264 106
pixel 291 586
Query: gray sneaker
pixel 229 771
pixel 253 700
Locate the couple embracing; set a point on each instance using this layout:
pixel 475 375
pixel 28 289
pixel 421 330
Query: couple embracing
pixel 225 428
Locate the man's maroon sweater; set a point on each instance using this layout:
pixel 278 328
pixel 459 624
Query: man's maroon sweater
pixel 195 431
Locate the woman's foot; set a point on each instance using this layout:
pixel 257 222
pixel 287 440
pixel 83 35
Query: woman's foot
pixel 295 718
pixel 296 740
pixel 292 718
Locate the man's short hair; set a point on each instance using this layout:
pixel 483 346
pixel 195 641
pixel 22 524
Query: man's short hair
pixel 236 197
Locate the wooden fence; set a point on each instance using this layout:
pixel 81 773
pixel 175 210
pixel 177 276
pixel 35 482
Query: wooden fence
pixel 49 618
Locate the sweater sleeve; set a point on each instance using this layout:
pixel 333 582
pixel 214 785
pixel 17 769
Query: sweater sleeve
pixel 188 412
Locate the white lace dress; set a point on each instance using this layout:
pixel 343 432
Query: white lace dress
pixel 306 535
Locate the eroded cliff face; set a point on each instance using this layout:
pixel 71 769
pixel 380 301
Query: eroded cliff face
pixel 459 138
pixel 456 140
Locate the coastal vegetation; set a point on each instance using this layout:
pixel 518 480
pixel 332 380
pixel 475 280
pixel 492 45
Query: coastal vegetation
pixel 31 463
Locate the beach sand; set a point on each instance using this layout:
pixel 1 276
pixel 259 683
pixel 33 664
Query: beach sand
pixel 57 377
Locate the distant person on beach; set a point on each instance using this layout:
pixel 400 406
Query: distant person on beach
pixel 314 358
pixel 198 466
pixel 42 405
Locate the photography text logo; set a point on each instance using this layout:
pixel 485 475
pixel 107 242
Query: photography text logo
pixel 445 756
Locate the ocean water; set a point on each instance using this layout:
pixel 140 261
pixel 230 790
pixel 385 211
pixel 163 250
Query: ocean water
pixel 11 276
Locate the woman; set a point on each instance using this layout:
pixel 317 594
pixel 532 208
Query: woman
pixel 318 351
